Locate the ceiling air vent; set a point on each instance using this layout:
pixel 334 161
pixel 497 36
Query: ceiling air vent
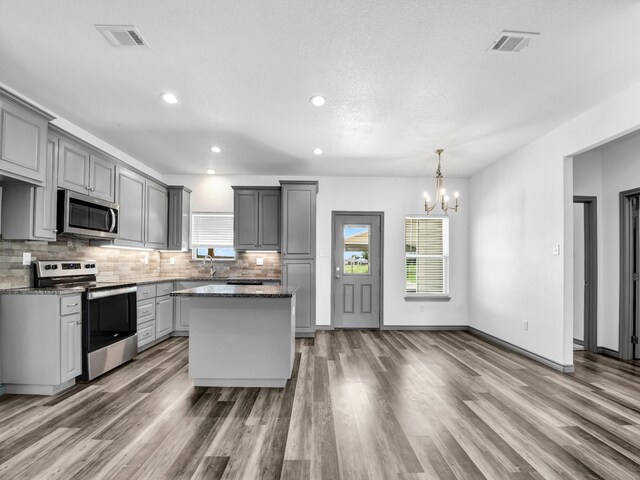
pixel 512 41
pixel 122 35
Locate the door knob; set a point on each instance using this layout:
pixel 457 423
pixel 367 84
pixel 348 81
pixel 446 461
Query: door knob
pixel 337 276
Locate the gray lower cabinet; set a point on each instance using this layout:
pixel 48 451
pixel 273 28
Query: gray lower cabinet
pixel 179 218
pixel 164 316
pixel 41 339
pixel 23 140
pixel 256 219
pixel 85 171
pixel 155 313
pixel 302 274
pixel 28 212
pixel 156 215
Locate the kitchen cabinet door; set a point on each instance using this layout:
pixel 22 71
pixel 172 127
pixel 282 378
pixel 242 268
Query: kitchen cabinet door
pixel 70 346
pixel 46 198
pixel 245 219
pixel 102 178
pixel 73 167
pixel 301 274
pixel 28 212
pixel 164 315
pixel 269 220
pixel 299 219
pixel 179 224
pixel 130 194
pixel 23 143
pixel 156 215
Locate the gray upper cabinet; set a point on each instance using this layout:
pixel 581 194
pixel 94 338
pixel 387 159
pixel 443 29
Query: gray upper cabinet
pixel 84 171
pixel 73 168
pixel 23 141
pixel 102 175
pixel 143 211
pixel 179 218
pixel 28 212
pixel 156 216
pixel 299 219
pixel 256 218
pixel 130 191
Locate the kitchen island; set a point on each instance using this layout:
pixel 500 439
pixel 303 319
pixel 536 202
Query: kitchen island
pixel 240 335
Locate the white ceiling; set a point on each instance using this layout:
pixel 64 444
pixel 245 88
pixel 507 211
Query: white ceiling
pixel 402 77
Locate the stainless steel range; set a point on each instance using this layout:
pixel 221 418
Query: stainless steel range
pixel 109 327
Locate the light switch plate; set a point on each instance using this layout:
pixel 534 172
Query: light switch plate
pixel 172 261
pixel 556 249
pixel 26 258
pixel 259 261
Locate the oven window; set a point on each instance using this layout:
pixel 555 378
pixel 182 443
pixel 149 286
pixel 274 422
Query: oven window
pixel 111 319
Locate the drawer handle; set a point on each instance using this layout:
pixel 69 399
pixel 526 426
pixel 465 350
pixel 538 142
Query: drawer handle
pixel 146 311
pixel 72 304
pixel 78 322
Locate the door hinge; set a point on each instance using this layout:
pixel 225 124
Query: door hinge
pixel 634 339
pixel 635 277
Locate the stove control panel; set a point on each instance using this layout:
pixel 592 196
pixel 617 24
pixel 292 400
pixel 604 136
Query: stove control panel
pixel 58 268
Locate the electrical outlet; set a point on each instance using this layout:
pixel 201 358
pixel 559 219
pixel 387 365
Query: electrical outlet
pixel 146 259
pixel 172 261
pixel 525 324
pixel 259 261
pixel 26 258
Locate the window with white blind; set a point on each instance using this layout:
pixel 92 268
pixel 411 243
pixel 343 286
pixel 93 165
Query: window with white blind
pixel 426 255
pixel 212 234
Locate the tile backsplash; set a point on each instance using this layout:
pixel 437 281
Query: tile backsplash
pixel 122 264
pixel 243 266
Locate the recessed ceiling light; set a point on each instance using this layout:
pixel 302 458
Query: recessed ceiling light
pixel 318 100
pixel 317 151
pixel 216 149
pixel 169 98
pixel 211 171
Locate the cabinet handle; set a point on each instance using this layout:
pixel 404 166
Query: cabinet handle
pixel 146 311
pixel 78 322
pixel 55 230
pixel 69 305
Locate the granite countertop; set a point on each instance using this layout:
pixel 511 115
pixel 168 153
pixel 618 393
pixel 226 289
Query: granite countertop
pixel 140 281
pixel 253 291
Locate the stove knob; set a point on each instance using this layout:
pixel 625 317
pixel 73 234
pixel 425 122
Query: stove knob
pixel 88 265
pixel 47 267
pixel 54 267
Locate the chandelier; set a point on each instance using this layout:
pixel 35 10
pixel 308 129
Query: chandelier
pixel 441 194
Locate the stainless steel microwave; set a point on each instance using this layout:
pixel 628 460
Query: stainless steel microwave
pixel 81 215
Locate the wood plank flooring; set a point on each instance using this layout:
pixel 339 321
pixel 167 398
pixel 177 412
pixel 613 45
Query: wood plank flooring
pixel 360 405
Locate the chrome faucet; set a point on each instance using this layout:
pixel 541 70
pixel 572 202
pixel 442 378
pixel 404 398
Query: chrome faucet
pixel 204 264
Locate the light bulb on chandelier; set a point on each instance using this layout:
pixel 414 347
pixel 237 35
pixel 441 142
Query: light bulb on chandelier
pixel 441 197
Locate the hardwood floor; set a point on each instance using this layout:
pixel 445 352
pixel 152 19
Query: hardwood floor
pixel 360 405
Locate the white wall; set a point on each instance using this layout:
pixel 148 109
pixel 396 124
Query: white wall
pixel 393 196
pixel 522 206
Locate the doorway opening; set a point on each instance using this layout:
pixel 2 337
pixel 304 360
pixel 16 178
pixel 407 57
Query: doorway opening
pixel 357 269
pixel 629 274
pixel 585 330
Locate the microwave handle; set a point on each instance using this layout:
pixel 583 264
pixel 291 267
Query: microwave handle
pixel 113 220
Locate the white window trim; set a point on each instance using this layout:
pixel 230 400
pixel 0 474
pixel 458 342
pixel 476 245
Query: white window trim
pixel 446 257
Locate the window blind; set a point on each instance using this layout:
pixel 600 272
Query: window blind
pixel 426 255
pixel 212 230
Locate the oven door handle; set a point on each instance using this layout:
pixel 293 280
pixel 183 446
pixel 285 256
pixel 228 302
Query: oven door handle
pixel 113 220
pixel 110 292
